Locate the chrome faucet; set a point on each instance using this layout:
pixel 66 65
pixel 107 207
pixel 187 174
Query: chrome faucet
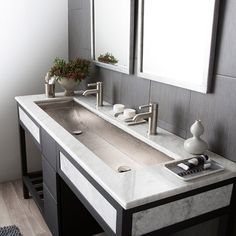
pixel 98 91
pixel 152 116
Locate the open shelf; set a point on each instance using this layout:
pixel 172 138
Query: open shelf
pixel 34 183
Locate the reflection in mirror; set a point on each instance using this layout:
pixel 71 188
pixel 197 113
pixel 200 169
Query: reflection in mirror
pixel 176 41
pixel 112 34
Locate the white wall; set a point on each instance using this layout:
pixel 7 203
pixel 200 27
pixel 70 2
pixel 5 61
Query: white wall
pixel 32 34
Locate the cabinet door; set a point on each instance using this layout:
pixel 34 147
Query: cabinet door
pixel 51 212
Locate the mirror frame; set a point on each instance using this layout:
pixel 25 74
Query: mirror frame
pixel 209 59
pixel 129 68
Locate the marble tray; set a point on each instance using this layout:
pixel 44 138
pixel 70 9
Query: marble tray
pixel 194 173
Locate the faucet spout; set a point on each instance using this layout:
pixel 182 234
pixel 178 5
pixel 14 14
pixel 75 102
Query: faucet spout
pixel 142 116
pixel 90 91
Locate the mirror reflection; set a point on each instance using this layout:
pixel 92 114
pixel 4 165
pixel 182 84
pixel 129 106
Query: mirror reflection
pixel 112 26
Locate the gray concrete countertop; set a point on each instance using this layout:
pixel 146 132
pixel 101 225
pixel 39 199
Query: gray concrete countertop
pixel 136 187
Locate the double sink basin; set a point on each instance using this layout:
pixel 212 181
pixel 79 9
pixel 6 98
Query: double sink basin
pixel 119 150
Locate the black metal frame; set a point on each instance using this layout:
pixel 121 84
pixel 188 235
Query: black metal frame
pixel 124 217
pixel 32 181
pixel 23 160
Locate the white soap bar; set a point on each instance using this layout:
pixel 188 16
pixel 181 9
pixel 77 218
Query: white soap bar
pixel 118 108
pixel 129 113
pixel 207 166
pixel 183 166
pixel 193 161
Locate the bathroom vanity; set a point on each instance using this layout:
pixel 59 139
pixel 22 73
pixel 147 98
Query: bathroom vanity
pixel 80 191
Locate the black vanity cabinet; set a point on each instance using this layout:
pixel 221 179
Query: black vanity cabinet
pixel 74 203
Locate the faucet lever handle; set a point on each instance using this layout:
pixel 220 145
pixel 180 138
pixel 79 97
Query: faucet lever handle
pixel 92 85
pixel 144 106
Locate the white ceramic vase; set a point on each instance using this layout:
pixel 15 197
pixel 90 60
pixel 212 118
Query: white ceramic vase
pixel 69 85
pixel 196 145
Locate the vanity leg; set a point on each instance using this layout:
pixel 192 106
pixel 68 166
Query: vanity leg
pixel 231 225
pixel 124 223
pixel 23 160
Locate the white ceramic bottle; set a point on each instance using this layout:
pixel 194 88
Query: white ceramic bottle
pixel 196 145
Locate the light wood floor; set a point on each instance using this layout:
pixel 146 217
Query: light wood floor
pixel 14 210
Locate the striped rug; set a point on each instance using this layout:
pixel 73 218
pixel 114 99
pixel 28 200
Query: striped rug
pixel 10 231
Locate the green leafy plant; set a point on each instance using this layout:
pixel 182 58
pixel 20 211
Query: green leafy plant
pixel 76 69
pixel 107 58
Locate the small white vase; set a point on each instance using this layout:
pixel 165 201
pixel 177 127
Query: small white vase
pixel 196 145
pixel 69 85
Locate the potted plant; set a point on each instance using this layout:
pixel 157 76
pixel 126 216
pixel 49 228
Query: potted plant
pixel 107 58
pixel 69 74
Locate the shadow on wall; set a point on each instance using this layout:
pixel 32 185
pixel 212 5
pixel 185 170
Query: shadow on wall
pixel 219 145
pixel 27 51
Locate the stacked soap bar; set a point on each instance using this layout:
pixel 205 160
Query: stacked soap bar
pixel 194 165
pixel 119 109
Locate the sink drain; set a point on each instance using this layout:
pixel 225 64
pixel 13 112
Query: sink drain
pixel 77 132
pixel 123 169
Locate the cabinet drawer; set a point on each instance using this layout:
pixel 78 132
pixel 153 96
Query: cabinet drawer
pixel 48 148
pixel 49 177
pixel 29 124
pixel 50 212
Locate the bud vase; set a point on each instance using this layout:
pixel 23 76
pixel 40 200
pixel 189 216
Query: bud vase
pixel 196 145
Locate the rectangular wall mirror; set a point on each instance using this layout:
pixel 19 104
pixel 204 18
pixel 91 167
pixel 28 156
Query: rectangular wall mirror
pixel 112 34
pixel 177 41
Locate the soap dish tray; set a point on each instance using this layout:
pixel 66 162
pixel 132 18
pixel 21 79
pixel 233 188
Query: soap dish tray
pixel 194 173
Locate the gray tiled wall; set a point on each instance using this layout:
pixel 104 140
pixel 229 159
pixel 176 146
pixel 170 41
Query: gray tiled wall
pixel 178 108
